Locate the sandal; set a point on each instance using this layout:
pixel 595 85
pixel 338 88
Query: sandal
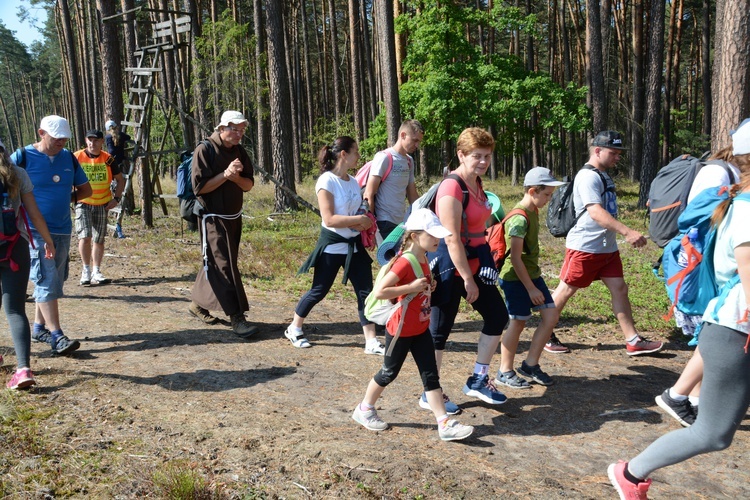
pixel 297 339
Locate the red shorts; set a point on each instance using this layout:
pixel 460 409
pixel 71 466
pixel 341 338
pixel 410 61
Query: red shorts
pixel 579 269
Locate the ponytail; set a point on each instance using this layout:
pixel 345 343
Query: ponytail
pixel 8 175
pixel 742 162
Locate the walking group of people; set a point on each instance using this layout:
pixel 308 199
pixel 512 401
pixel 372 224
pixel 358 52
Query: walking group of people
pixel 444 257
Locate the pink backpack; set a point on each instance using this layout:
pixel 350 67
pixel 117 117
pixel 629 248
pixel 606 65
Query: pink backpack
pixel 364 173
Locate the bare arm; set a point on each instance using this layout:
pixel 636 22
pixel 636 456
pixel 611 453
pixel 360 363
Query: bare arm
pixel 29 203
pixel 742 256
pixel 516 249
pixel 330 219
pixel 371 190
pixel 118 193
pixel 82 192
pixel 605 220
pixel 387 289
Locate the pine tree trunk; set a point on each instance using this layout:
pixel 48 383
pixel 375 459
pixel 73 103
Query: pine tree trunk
pixel 595 67
pixel 335 61
pixel 356 69
pixel 263 157
pixel 387 51
pixel 111 65
pixel 70 60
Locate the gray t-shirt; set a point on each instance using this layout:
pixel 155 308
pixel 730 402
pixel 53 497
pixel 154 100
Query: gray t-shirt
pixel 25 186
pixel 389 200
pixel 587 235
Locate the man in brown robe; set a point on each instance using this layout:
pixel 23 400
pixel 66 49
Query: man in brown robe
pixel 219 181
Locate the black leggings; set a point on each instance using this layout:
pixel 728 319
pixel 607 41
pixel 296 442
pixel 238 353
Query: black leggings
pixel 326 268
pixel 490 305
pixel 423 352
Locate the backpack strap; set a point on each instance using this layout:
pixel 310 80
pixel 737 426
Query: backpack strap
pixel 404 303
pixel 522 213
pixel 464 203
pixel 390 164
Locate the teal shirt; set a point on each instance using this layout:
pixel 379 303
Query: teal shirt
pixel 519 227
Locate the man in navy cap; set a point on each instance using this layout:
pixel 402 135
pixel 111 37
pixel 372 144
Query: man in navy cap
pixel 591 246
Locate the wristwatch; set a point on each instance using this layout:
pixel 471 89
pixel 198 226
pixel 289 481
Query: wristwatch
pixel 117 199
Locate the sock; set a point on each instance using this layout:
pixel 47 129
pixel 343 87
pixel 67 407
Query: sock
pixel 294 329
pixel 674 395
pixel 39 327
pixel 370 342
pixel 480 369
pixel 56 334
pixel 634 340
pixel 694 401
pixel 86 268
pixel 365 407
pixel 96 269
pixel 442 420
pixel 630 477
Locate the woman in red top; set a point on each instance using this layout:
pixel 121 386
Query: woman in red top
pixel 423 232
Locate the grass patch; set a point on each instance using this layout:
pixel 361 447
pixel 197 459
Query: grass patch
pixel 179 480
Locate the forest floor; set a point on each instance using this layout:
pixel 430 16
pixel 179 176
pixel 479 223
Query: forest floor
pixel 155 402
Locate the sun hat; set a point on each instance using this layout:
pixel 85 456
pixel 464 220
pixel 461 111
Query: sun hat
pixel 96 134
pixel 540 176
pixel 56 126
pixel 424 220
pixel 231 118
pixel 608 139
pixel 110 124
pixel 741 138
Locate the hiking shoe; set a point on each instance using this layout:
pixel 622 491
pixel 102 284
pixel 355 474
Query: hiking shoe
pixel 479 386
pixel 243 327
pixel 626 489
pixel 85 278
pixel 554 346
pixel 451 408
pixel 297 339
pixel 63 345
pixel 42 336
pixel 369 419
pixel 643 346
pixel 682 411
pixel 21 379
pixel 454 431
pixel 512 380
pixel 202 314
pixel 535 373
pixel 374 347
pixel 98 278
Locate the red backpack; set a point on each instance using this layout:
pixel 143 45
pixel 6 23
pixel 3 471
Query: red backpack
pixel 364 173
pixel 496 238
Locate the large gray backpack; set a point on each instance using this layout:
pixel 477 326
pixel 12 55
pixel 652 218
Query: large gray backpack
pixel 669 192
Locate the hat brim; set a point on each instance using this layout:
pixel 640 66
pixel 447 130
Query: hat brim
pixel 438 232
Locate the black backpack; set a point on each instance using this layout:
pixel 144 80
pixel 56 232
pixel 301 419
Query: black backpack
pixel 561 213
pixel 669 192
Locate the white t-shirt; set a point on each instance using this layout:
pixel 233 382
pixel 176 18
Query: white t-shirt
pixel 587 235
pixel 732 232
pixel 712 175
pixel 389 200
pixel 347 198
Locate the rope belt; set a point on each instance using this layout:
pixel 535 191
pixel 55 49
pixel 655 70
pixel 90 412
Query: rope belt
pixel 204 239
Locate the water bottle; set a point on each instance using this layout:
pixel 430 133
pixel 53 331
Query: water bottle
pixel 118 231
pixel 363 208
pixel 9 217
pixel 682 258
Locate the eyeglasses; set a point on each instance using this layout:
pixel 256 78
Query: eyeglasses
pixel 236 130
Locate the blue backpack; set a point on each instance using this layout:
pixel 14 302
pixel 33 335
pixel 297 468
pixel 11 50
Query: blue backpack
pixel 185 185
pixel 692 286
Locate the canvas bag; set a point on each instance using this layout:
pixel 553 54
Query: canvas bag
pixel 380 311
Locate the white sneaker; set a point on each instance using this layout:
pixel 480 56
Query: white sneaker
pixel 374 347
pixel 369 419
pixel 297 339
pixel 454 431
pixel 85 277
pixel 99 278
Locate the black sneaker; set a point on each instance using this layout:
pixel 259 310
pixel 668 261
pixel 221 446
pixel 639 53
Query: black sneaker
pixel 535 373
pixel 682 411
pixel 42 336
pixel 63 345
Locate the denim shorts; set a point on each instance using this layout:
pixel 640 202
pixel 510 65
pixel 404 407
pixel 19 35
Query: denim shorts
pixel 518 301
pixel 48 275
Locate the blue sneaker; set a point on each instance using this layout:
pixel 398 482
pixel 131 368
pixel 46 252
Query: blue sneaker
pixel 479 386
pixel 451 408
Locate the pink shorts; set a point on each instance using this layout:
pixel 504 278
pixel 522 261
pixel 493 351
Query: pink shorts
pixel 579 269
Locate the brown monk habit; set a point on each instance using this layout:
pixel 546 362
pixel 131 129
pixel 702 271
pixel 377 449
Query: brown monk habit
pixel 221 289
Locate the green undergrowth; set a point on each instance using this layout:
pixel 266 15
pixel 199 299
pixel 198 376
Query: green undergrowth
pixel 274 245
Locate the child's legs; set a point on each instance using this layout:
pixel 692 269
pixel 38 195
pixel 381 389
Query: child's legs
pixel 325 271
pixel 509 344
pixel 391 364
pixel 423 351
pixel 690 379
pixel 541 336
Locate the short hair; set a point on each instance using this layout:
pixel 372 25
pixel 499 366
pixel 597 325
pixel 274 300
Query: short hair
pixel 473 138
pixel 411 127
